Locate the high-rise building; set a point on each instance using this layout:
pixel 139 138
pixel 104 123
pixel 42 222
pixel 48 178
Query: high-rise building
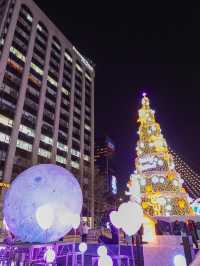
pixel 104 153
pixel 105 177
pixel 46 97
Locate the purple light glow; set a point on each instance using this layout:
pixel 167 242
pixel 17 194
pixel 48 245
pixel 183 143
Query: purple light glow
pixel 144 94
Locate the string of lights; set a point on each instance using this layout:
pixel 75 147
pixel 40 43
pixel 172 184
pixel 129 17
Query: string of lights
pixel 190 177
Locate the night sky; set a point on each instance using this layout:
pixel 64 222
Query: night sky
pixel 136 47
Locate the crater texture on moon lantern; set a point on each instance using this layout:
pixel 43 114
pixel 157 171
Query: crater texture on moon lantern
pixel 42 203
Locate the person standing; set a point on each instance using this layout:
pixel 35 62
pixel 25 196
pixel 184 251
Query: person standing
pixel 85 230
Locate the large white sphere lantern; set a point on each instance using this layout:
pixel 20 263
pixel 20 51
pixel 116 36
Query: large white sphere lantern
pixel 43 203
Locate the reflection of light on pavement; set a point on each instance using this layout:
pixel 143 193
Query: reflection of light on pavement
pixel 149 229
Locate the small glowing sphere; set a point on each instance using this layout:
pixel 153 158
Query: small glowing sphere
pixel 179 260
pixel 181 181
pixel 168 207
pixel 102 251
pixel 49 255
pixel 175 183
pixel 160 162
pixel 82 247
pixel 155 179
pixel 162 180
pixel 161 201
pixel 142 145
pixel 143 182
pixel 105 261
pixel 115 219
pixel 45 216
pixel 41 203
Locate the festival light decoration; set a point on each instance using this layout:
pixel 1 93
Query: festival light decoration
pixel 49 255
pixel 159 181
pixel 190 179
pixel 83 247
pixel 43 204
pixel 102 251
pixel 179 260
pixel 104 258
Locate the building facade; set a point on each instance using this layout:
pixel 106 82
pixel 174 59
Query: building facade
pixel 105 177
pixel 46 98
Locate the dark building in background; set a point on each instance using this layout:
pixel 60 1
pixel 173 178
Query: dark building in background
pixel 104 162
pixel 105 182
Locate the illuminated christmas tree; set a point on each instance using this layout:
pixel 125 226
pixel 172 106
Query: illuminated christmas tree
pixel 161 188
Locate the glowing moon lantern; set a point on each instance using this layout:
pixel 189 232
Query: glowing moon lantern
pixel 42 203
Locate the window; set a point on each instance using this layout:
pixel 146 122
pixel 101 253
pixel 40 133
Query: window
pixel 79 68
pixel 87 127
pixel 37 69
pixel 89 78
pixel 29 18
pixel 68 57
pixel 24 145
pixel 62 146
pixel 86 158
pixel 52 81
pixel 17 53
pixel 75 165
pixel 39 27
pixel 75 153
pixel 46 140
pixel 65 91
pixel 61 159
pixel 4 137
pixel 44 153
pixel 27 130
pixel 6 121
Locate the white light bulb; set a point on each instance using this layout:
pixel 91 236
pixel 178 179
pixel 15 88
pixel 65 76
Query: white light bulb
pixel 154 179
pixel 143 182
pixel 162 180
pixel 175 182
pixel 82 247
pixel 102 251
pixel 49 255
pixel 169 207
pixel 160 163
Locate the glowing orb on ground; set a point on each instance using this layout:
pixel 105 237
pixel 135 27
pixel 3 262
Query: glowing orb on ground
pixel 43 203
pixel 49 255
pixel 82 247
pixel 102 251
pixel 105 261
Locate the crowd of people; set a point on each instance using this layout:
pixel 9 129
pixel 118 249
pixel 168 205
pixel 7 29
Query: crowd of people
pixel 189 228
